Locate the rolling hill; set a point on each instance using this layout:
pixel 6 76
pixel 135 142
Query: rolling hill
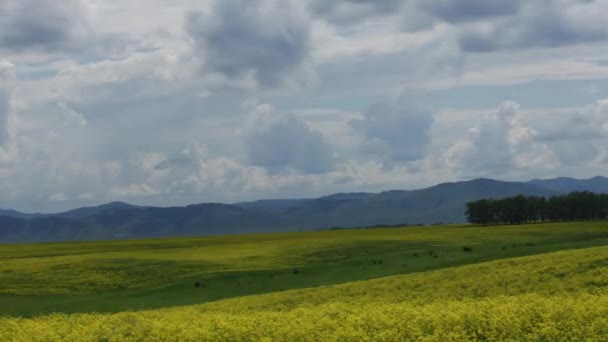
pixel 443 203
pixel 518 283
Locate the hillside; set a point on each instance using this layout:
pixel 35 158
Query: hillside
pixel 548 297
pixel 443 203
pixel 123 275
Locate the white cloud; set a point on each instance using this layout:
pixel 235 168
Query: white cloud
pixel 43 25
pixel 264 41
pixel 7 77
pixel 85 196
pixel 277 141
pixel 499 144
pixel 58 197
pixel 133 191
pixel 398 131
pixel 98 104
pixel 7 71
pixel 545 24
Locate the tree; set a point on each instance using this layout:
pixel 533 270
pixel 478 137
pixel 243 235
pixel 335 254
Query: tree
pixel 575 206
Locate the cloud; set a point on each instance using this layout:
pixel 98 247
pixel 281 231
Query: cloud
pixel 90 112
pixel 58 197
pixel 499 144
pixel 7 76
pixel 7 72
pixel 540 24
pixel 134 190
pixel 577 135
pixel 351 11
pixel 416 14
pixel 43 25
pixel 5 113
pixel 457 11
pixel 277 141
pixel 85 196
pixel 398 131
pixel 44 29
pixel 267 41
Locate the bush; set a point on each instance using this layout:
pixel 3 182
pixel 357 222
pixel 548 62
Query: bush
pixel 467 249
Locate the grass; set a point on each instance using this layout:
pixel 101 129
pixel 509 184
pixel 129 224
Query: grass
pixel 548 297
pixel 147 274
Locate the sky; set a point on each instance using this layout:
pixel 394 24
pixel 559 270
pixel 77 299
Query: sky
pixel 171 102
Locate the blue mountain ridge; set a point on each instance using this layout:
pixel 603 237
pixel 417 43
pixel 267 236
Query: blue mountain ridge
pixel 442 203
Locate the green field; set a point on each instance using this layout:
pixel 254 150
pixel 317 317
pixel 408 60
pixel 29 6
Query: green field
pixel 559 296
pixel 110 277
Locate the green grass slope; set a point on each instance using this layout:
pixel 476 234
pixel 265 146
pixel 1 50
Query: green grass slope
pixel 146 274
pixel 560 296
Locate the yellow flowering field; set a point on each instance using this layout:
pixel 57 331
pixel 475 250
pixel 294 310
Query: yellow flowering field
pixel 560 296
pixel 93 267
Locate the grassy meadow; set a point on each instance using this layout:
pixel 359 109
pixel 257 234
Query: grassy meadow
pixel 539 282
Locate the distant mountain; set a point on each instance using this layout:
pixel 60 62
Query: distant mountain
pixel 85 212
pixel 125 222
pixel 273 205
pixel 15 213
pixel 566 185
pixel 443 203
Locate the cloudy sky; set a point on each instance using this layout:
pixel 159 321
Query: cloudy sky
pixel 168 102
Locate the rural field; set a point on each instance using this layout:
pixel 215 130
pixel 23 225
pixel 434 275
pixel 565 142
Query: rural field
pixel 540 282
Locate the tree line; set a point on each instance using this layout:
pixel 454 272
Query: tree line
pixel 575 206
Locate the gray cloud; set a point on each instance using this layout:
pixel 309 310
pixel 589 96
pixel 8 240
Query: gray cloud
pixel 266 41
pixel 399 131
pixel 456 11
pixel 501 143
pixel 61 28
pixel 418 14
pixel 5 111
pixel 588 124
pixel 541 24
pixel 7 75
pixel 44 25
pixel 485 25
pixel 489 148
pixel 277 141
pixel 575 127
pixel 349 11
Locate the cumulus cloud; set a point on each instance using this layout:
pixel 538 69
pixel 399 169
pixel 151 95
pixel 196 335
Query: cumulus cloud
pixel 134 190
pixel 456 11
pixel 540 24
pixel 7 75
pixel 267 41
pixel 44 25
pixel 416 14
pixel 85 196
pixel 192 172
pixel 68 116
pixel 7 72
pixel 398 131
pixel 486 25
pixel 46 28
pixel 276 141
pixel 5 112
pixel 349 11
pixel 58 197
pixel 499 144
pixel 577 135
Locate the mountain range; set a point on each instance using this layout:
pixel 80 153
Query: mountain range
pixel 443 203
